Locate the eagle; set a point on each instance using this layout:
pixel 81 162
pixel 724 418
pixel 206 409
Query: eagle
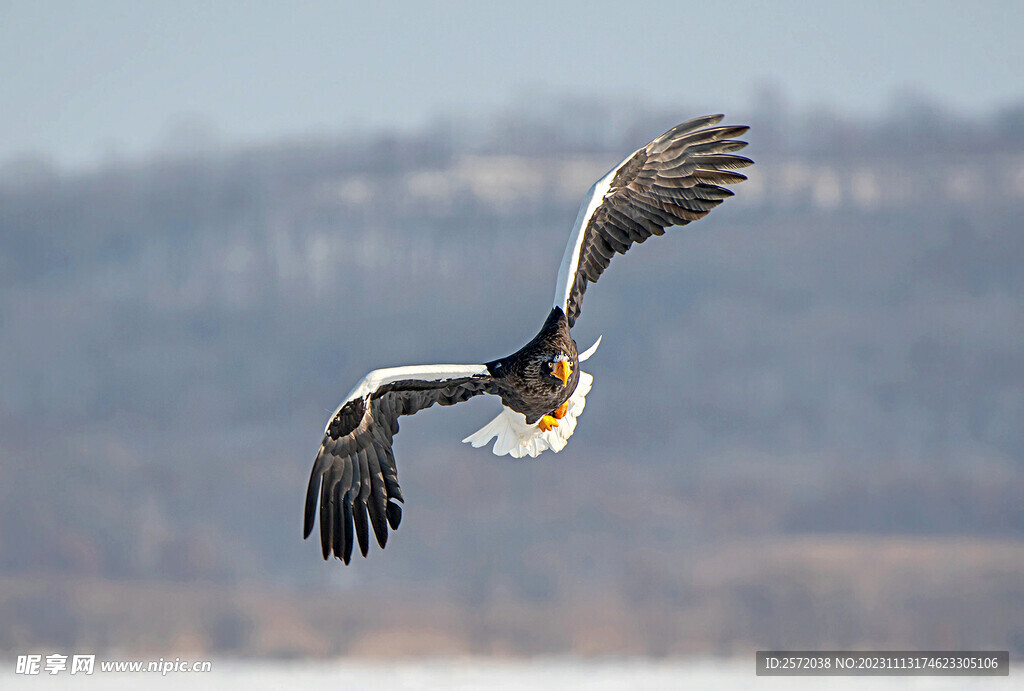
pixel 675 179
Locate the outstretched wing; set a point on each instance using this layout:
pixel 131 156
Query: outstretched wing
pixel 675 179
pixel 354 474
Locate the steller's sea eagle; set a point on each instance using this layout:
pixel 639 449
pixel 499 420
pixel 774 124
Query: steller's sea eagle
pixel 675 179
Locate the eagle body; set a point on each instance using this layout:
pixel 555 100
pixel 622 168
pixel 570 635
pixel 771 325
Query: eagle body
pixel 523 379
pixel 675 179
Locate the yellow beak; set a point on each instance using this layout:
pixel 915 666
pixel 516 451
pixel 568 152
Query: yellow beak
pixel 562 370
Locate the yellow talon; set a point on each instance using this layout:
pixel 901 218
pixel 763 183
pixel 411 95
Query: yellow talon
pixel 561 410
pixel 547 423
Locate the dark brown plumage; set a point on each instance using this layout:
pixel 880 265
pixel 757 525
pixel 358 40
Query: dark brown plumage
pixel 675 179
pixel 523 378
pixel 355 473
pixel 672 181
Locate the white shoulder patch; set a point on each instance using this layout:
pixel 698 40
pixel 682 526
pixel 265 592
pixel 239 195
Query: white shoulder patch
pixel 591 350
pixel 379 377
pixel 517 439
pixel 571 259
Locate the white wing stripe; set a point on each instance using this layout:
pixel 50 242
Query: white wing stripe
pixel 379 377
pixel 571 258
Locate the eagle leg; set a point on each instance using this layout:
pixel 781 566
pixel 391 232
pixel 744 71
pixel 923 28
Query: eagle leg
pixel 547 423
pixel 559 412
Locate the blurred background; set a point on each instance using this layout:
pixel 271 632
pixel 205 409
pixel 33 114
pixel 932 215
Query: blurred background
pixel 806 424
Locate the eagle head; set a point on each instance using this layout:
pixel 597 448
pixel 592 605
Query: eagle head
pixel 561 368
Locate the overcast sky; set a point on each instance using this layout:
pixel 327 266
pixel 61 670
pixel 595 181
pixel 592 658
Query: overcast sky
pixel 85 80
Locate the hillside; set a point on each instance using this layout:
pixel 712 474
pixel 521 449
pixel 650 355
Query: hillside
pixel 830 362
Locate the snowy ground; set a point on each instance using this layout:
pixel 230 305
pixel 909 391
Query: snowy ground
pixel 491 674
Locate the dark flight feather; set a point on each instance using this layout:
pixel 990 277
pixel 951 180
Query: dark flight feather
pixel 676 179
pixel 354 475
